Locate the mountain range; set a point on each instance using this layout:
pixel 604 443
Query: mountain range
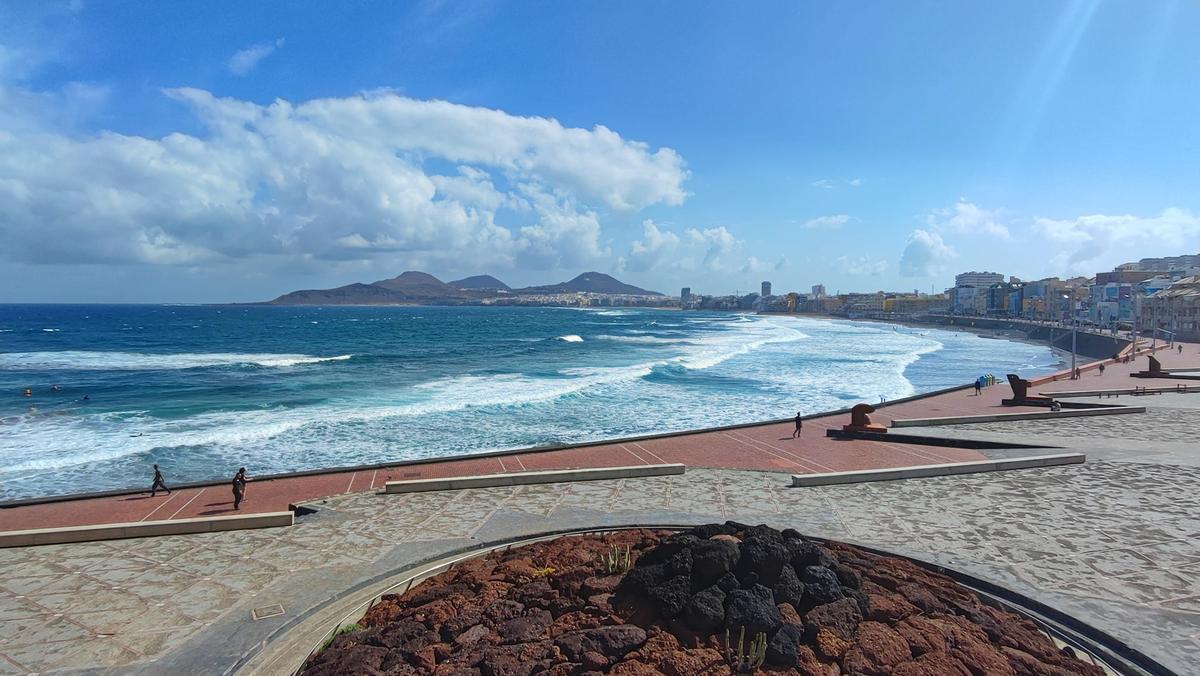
pixel 421 288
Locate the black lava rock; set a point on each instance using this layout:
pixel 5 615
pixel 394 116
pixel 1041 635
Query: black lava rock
pixel 846 576
pixel 681 563
pixel 863 601
pixel 784 648
pixel 643 578
pixel 706 611
pixel 821 585
pixel 764 556
pixel 667 549
pixel 791 534
pixel 728 583
pixel 712 559
pixel 803 553
pixel 671 597
pixel 753 609
pixel 710 529
pixel 788 588
pixel 737 527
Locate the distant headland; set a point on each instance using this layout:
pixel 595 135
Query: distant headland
pixel 421 288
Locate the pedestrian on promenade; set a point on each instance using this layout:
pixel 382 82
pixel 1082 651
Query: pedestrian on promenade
pixel 1180 349
pixel 799 425
pixel 158 483
pixel 1077 372
pixel 239 488
pixel 1101 369
pixel 978 386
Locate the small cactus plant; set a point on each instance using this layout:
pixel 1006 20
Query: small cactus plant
pixel 616 560
pixel 744 659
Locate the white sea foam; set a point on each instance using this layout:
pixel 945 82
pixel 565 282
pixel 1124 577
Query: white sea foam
pixel 52 330
pixel 131 361
pixel 647 340
pixel 570 339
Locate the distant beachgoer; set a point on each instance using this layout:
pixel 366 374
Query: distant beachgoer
pixel 87 397
pixel 1102 369
pixel 29 391
pixel 159 482
pixel 239 488
pixel 55 388
pixel 1180 349
pixel 799 425
pixel 978 386
pixel 1077 372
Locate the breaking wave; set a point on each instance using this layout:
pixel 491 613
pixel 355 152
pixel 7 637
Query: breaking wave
pixel 76 360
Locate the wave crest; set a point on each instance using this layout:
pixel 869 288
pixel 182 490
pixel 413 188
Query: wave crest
pixel 81 360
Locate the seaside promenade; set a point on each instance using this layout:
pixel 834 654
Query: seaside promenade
pixel 1109 542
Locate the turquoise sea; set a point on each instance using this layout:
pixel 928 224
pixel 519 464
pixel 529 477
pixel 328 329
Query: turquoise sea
pixel 202 390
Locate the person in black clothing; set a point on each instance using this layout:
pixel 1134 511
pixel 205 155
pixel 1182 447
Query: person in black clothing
pixel 979 386
pixel 239 488
pixel 799 425
pixel 159 483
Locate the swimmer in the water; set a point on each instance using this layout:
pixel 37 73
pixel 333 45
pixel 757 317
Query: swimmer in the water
pixel 29 391
pixel 87 397
pixel 55 388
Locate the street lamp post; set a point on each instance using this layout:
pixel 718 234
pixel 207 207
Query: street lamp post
pixel 1074 327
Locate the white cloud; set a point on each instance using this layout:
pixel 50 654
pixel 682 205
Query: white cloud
pixel 862 265
pixel 967 218
pixel 717 242
pixel 925 254
pixel 245 60
pixel 826 222
pixel 755 265
pixel 855 182
pixel 648 252
pixel 1099 242
pixel 338 179
pixel 824 184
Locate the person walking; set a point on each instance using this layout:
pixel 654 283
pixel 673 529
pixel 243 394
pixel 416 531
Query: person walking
pixel 799 425
pixel 239 488
pixel 159 483
pixel 1102 369
pixel 979 386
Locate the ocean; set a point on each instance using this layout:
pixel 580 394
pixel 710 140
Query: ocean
pixel 203 390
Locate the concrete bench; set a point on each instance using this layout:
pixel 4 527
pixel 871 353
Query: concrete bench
pixel 527 478
pixel 141 529
pixel 922 471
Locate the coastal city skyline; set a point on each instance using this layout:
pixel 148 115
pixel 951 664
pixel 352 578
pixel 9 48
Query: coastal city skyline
pixel 1046 140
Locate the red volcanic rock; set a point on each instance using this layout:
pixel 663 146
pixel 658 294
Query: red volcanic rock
pixel 826 609
pixel 889 608
pixel 789 614
pixel 932 664
pixel 840 618
pixel 876 649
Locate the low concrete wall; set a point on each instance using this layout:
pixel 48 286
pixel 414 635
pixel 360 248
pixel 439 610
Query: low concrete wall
pixel 922 471
pixel 527 478
pixel 140 529
pixel 1001 417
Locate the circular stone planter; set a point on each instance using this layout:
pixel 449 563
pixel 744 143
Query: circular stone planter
pixel 403 609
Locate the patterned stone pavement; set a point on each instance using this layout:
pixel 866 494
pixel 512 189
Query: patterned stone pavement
pixel 1158 424
pixel 1115 543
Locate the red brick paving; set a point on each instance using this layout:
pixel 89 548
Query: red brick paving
pixel 767 447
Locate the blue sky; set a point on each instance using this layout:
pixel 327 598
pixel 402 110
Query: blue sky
pixel 228 151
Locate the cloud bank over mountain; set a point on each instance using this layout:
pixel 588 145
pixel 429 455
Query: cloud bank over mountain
pixel 325 179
